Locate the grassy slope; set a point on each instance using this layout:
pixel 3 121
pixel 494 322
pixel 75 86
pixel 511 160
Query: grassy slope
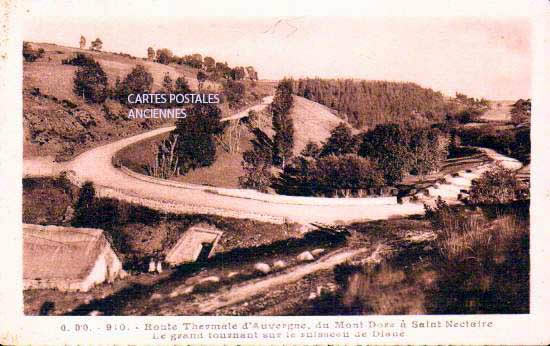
pixel 52 128
pixel 499 111
pixel 312 121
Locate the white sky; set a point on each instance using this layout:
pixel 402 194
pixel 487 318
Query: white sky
pixel 482 50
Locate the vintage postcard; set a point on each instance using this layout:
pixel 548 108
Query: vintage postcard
pixel 274 173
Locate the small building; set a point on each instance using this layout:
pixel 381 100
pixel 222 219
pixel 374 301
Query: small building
pixel 67 258
pixel 198 242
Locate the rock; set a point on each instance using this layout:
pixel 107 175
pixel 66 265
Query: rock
pixel 182 290
pixel 312 295
pixel 280 264
pixel 328 288
pixel 193 280
pixel 123 274
pixel 159 267
pixel 428 248
pixel 305 256
pixel 156 296
pixel 209 279
pixel 317 252
pixel 95 313
pixel 152 266
pixel 262 268
pixel 232 275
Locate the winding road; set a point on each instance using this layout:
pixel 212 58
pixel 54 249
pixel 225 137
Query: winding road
pixel 95 165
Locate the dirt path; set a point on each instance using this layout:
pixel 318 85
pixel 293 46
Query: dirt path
pixel 238 294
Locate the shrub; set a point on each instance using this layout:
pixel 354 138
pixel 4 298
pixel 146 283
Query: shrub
pixel 257 163
pixel 340 142
pixel 138 81
pixel 234 93
pixel 332 176
pixel 79 59
pixel 90 82
pixel 498 186
pixel 30 54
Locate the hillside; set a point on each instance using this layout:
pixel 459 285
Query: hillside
pixel 58 123
pixel 312 121
pixel 366 103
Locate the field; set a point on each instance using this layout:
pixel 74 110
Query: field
pixel 498 112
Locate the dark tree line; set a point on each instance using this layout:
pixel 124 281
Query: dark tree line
pixel 214 70
pixel 368 103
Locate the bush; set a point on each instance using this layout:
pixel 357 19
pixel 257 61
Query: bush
pixel 234 93
pixel 79 60
pixel 138 81
pixel 498 186
pixel 90 82
pixel 331 176
pixel 30 54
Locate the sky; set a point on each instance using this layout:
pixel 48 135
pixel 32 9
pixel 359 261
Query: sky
pixel 483 56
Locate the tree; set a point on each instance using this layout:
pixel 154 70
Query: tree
pixel 282 122
pixel 388 146
pixel 164 56
pixel 256 163
pixel 82 42
pixel 80 59
pixel 429 149
pixel 182 87
pixel 209 63
pixel 234 92
pixel 521 111
pixel 96 45
pixel 223 70
pixel 90 82
pixel 497 186
pixel 252 74
pixel 196 145
pixel 138 81
pixel 237 73
pixel 311 150
pixel 84 205
pixel 151 54
pixel 340 142
pixel 331 176
pixel 167 83
pixel 166 160
pixel 201 78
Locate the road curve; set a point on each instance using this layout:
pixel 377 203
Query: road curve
pixel 95 165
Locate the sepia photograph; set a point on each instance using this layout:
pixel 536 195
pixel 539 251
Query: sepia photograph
pixel 276 166
pixel 328 166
